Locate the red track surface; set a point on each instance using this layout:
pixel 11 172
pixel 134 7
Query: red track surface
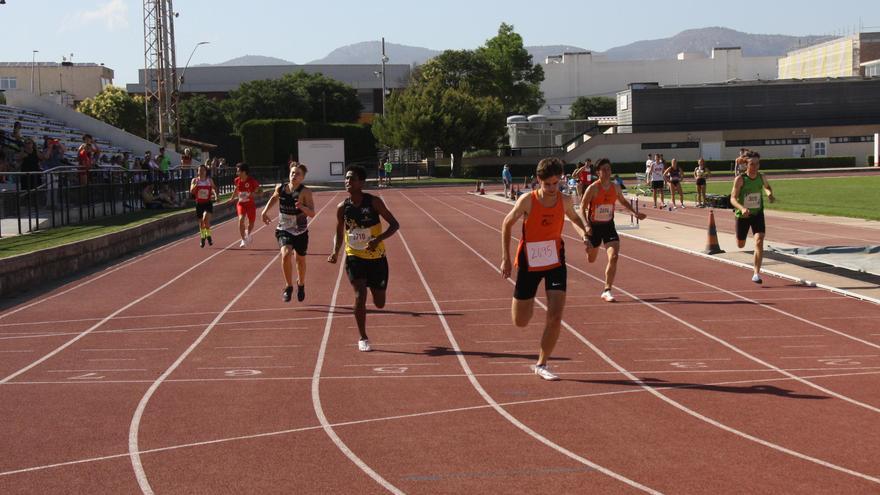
pixel 696 381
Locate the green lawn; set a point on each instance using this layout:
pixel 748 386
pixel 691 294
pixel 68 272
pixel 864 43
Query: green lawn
pixel 855 197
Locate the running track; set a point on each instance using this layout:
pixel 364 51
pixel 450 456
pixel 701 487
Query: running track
pixel 181 371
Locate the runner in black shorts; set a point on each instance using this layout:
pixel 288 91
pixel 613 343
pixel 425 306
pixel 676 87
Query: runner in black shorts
pixel 358 224
pixel 205 193
pixel 295 205
pixel 747 198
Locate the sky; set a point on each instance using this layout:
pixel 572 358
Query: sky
pixel 111 31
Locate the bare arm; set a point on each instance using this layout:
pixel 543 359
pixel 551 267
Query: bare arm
pixel 734 194
pixel 769 189
pixel 340 232
pixel 626 204
pixel 306 203
pixel 393 226
pixel 269 204
pixel 589 194
pixel 520 209
pixel 573 216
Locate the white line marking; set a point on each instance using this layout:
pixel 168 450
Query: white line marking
pixel 395 364
pixel 125 350
pixel 319 409
pixel 782 336
pixel 257 346
pixel 262 367
pixel 93 371
pixel 679 360
pixel 112 359
pixel 488 398
pixel 15 351
pixel 830 357
pixel 529 363
pixel 389 344
pixel 249 357
pixel 134 427
pixel 657 394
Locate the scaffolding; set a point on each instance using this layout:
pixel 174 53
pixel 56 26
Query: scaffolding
pixel 161 89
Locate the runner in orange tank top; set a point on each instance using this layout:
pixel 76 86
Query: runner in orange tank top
pixel 597 207
pixel 540 255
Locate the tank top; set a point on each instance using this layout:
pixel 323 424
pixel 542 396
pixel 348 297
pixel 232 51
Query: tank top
pixel 540 246
pixel 751 195
pixel 291 218
pixel 361 225
pixel 602 205
pixel 700 172
pixel 675 174
pixel 203 191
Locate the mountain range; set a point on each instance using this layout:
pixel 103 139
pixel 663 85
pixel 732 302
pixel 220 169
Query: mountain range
pixel 692 41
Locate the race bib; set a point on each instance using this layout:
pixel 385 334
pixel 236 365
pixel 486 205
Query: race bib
pixel 244 196
pixel 204 194
pixel 542 253
pixel 603 213
pixel 752 200
pixel 359 238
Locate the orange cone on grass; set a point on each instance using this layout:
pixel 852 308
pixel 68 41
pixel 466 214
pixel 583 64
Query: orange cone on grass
pixel 712 246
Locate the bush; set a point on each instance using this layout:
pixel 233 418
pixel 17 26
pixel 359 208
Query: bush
pixel 493 171
pixel 257 140
pixel 268 142
pixel 766 164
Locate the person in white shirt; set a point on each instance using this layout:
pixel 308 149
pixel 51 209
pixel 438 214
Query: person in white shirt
pixel 655 175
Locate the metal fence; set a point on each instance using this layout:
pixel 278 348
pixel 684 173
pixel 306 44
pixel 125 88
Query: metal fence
pixel 33 201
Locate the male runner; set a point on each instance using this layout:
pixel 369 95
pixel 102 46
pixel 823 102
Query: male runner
pixel 357 221
pixel 597 207
pixel 245 189
pixel 203 189
pixel 540 255
pixel 748 200
pixel 295 207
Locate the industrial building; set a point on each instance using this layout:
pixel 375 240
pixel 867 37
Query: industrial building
pixel 66 82
pixel 841 57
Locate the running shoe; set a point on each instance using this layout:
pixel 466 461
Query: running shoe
pixel 249 239
pixel 202 242
pixel 242 244
pixel 544 372
pixel 757 279
pixel 364 345
pixel 606 296
pixel 210 241
pixel 285 295
pixel 300 293
pixel 683 206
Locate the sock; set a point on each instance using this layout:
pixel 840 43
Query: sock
pixel 202 233
pixel 208 232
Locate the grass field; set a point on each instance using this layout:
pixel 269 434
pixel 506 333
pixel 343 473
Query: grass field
pixel 855 197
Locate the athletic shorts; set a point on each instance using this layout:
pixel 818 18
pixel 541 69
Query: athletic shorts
pixel 201 208
pixel 527 282
pixel 375 271
pixel 675 182
pixel 249 209
pixel 657 185
pixel 603 232
pixel 299 243
pixel 754 222
pixel 701 182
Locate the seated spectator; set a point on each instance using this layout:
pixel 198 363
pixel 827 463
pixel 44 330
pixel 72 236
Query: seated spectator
pixel 166 196
pixel 150 198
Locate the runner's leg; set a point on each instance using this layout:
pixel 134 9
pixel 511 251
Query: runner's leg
pixel 360 306
pixel 286 268
pixel 521 311
pixel 612 248
pixel 555 305
pixel 759 252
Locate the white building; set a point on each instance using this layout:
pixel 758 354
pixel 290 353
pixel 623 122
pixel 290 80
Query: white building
pixel 570 75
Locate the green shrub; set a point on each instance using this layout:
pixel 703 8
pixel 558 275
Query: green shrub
pixel 269 142
pixel 257 140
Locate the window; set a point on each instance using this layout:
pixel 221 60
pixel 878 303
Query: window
pixel 750 143
pixel 623 101
pixel 670 146
pixel 819 148
pixel 852 139
pixel 8 82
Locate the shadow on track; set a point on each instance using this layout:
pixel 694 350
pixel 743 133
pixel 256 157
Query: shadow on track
pixel 751 389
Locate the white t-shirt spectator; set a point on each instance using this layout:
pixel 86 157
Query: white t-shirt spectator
pixel 657 171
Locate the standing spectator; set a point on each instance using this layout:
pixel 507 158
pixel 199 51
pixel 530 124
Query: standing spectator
pixel 16 133
pixel 164 163
pixel 701 173
pixel 388 168
pixel 30 163
pixel 507 179
pixel 674 174
pixel 741 162
pixel 655 175
pixel 380 175
pixel 186 160
pixel 84 156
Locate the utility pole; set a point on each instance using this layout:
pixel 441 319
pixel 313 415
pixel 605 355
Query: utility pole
pixel 160 70
pixel 33 67
pixel 384 90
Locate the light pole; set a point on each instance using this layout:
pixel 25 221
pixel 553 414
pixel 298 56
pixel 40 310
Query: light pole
pixel 178 84
pixel 33 67
pixel 384 61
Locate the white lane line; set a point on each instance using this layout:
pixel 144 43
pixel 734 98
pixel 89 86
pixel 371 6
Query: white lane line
pixel 112 359
pixel 391 326
pixel 262 367
pixel 364 421
pixel 101 370
pixel 661 339
pixel 126 349
pixel 554 362
pixel 134 427
pixel 830 357
pixel 654 392
pixel 508 324
pixel 737 320
pixel 319 409
pixel 781 336
pixel 257 346
pixel 379 365
pixel 249 357
pixel 45 335
pixel 387 344
pixel 13 352
pixel 489 399
pixel 113 314
pixel 675 360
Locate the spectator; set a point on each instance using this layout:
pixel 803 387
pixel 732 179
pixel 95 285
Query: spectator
pixel 150 198
pixel 163 162
pixel 619 182
pixel 84 155
pixel 186 160
pixel 388 168
pixel 507 179
pixel 16 133
pixel 166 196
pixel 30 163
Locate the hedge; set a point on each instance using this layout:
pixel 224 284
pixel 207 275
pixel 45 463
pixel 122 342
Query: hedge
pixel 267 142
pixel 494 171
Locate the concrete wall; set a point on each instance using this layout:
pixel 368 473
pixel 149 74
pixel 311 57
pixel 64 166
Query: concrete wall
pixel 81 81
pixel 119 138
pixel 587 74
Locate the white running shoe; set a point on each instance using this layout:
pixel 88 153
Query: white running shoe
pixel 757 279
pixel 249 238
pixel 607 297
pixel 364 345
pixel 544 372
pixel 242 244
pixel 683 206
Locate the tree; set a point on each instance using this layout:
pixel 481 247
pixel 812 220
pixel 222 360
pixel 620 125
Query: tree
pixel 266 99
pixel 117 107
pixel 330 100
pixel 430 114
pixel 592 106
pixel 203 119
pixel 515 80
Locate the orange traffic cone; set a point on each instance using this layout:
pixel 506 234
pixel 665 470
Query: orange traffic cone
pixel 712 246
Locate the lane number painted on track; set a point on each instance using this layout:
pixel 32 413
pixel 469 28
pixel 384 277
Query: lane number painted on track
pixel 839 361
pixel 688 365
pixel 87 376
pixel 238 373
pixel 391 370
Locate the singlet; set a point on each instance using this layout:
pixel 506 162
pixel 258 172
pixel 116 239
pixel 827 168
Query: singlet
pixel 203 191
pixel 291 218
pixel 657 171
pixel 361 225
pixel 245 189
pixel 84 157
pixel 700 173
pixel 602 205
pixel 751 195
pixel 584 175
pixel 540 246
pixel 675 174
